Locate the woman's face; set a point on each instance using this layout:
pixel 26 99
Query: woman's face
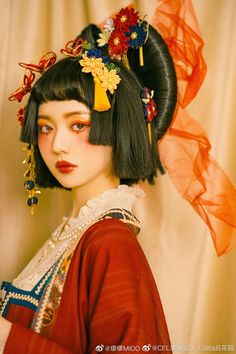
pixel 63 133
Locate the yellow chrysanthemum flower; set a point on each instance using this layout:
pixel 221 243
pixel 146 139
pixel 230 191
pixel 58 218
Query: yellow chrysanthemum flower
pixel 109 79
pixel 104 38
pixel 91 65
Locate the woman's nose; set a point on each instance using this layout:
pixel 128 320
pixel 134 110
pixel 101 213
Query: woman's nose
pixel 60 143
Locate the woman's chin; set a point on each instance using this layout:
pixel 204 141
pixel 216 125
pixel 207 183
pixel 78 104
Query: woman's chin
pixel 67 184
pixel 67 181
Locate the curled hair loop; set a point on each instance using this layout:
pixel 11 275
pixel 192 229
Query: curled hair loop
pixel 158 74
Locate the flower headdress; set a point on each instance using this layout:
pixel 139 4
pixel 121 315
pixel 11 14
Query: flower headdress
pixel 120 33
pixel 105 73
pixel 124 31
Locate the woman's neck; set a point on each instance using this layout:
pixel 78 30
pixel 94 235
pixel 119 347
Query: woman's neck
pixel 82 194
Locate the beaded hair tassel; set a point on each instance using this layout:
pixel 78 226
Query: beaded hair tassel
pixel 45 62
pixel 29 184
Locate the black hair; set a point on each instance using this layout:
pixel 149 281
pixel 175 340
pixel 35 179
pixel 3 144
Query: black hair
pixel 123 125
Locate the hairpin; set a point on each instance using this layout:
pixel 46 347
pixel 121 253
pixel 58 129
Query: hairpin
pixel 149 109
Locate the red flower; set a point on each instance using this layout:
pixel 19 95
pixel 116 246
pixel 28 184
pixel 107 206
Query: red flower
pixel 126 17
pixel 20 115
pixel 117 44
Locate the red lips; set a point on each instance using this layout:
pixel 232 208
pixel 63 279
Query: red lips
pixel 65 166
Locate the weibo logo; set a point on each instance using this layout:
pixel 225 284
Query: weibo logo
pixel 146 347
pixel 99 348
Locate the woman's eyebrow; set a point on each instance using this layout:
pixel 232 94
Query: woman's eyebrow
pixel 69 114
pixel 43 116
pixel 66 115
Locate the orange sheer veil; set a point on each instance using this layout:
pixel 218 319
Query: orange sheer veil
pixel 184 149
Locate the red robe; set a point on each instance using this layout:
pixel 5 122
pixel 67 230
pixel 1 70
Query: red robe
pixel 109 298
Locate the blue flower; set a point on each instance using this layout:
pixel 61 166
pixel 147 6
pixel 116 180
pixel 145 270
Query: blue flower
pixel 137 34
pixel 105 60
pixel 97 53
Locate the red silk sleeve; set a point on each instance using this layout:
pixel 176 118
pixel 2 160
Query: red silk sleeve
pixel 124 304
pixel 22 340
pixel 110 297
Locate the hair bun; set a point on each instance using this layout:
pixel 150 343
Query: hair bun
pixel 158 74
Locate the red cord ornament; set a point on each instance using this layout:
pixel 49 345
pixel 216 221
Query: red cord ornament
pixel 24 89
pixel 73 48
pixel 45 62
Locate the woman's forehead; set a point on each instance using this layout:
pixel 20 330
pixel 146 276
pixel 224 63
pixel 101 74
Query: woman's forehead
pixel 65 108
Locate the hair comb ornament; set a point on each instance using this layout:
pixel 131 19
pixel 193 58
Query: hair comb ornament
pixel 149 109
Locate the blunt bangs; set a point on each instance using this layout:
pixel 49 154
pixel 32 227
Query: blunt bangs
pixel 64 81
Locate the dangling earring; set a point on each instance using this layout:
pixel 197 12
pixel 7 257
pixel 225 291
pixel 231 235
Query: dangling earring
pixel 29 184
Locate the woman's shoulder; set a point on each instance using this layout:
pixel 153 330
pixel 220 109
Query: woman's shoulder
pixel 109 232
pixel 109 242
pixel 111 246
pixel 108 238
pixel 108 246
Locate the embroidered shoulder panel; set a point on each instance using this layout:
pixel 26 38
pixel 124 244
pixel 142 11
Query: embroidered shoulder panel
pixel 124 215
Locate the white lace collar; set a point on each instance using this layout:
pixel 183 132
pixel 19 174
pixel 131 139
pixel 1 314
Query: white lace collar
pixel 122 197
pixel 71 230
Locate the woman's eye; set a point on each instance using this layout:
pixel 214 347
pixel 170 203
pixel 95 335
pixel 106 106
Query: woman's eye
pixel 44 128
pixel 78 127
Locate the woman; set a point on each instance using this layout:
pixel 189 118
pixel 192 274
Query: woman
pixel 90 288
pixel 92 126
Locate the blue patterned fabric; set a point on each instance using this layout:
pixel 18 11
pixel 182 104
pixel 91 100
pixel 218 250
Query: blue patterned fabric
pixel 30 299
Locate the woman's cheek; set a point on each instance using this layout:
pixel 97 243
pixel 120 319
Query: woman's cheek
pixel 43 143
pixel 102 154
